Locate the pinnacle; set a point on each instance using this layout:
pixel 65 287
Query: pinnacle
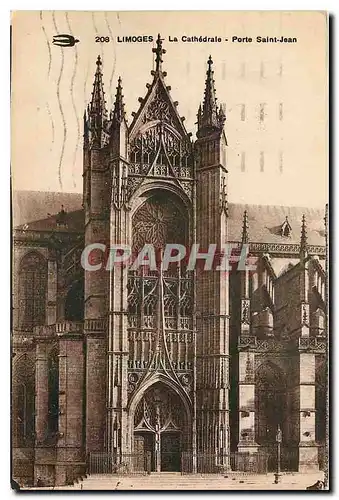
pixel 303 238
pixel 209 116
pixel 245 236
pixel 96 109
pixel 118 110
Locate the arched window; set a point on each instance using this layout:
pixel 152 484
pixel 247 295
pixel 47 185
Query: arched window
pixel 286 228
pixel 159 221
pixel 23 400
pixel 32 290
pixel 159 299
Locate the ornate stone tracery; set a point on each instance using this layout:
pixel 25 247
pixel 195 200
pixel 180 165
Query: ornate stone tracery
pixel 32 290
pixel 160 302
pixel 158 149
pixel 161 146
pixel 158 222
pixel 158 108
pixel 160 409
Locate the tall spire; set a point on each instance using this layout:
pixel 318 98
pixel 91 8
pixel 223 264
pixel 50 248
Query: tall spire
pixel 119 107
pixel 98 103
pixel 210 116
pixel 303 238
pixel 97 111
pixel 245 235
pixel 209 108
pixel 159 51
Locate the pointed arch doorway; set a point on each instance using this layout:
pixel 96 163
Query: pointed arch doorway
pixel 160 427
pixel 270 404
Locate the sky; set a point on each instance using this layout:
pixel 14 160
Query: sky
pixel 275 94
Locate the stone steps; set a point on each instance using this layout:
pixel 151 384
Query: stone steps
pixel 176 481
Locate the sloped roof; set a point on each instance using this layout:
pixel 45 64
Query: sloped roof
pixel 74 223
pixel 28 206
pixel 264 221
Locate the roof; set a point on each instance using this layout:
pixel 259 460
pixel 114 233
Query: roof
pixel 264 221
pixel 31 206
pixel 74 223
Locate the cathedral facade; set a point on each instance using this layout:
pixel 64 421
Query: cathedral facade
pixel 178 362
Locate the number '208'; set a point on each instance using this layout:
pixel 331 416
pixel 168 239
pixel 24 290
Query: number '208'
pixel 102 39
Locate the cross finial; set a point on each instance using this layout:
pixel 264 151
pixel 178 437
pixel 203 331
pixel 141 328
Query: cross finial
pixel 99 62
pixel 159 51
pixel 210 62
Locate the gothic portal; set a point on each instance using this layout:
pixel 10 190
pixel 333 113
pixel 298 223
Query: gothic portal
pixel 174 362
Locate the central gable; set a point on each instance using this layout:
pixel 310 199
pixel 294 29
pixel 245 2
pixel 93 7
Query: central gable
pixel 157 106
pixel 159 146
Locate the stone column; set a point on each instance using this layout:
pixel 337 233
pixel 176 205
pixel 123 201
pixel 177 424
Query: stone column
pixel 14 402
pixel 96 300
pixel 52 287
pixel 96 355
pixel 308 451
pixel 41 398
pixel 118 439
pixel 70 456
pixel 212 309
pixel 247 441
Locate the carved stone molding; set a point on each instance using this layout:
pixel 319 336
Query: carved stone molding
pixel 314 344
pixel 282 248
pixel 271 345
pixel 133 379
pixel 95 325
pixel 247 342
pixel 245 311
pixel 263 345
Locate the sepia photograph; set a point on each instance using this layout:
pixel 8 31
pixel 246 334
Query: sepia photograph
pixel 170 226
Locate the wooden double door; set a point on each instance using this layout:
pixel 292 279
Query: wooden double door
pixel 159 428
pixel 164 449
